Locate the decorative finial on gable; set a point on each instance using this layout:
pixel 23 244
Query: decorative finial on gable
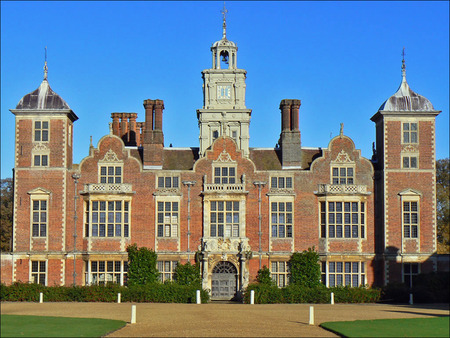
pixel 45 65
pixel 224 25
pixel 341 132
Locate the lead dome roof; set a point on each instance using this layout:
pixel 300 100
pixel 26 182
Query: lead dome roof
pixel 42 98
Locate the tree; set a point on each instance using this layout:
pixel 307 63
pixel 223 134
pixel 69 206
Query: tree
pixel 264 277
pixel 188 274
pixel 141 266
pixel 443 204
pixel 305 268
pixel 6 213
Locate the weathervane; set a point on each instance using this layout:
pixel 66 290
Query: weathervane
pixel 224 26
pixel 45 65
pixel 403 63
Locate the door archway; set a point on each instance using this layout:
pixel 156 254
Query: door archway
pixel 224 281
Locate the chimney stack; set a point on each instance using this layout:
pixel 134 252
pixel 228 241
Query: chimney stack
pixel 153 134
pixel 290 140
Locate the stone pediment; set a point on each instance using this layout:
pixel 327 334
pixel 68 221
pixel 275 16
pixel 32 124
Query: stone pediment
pixel 39 191
pixel 410 192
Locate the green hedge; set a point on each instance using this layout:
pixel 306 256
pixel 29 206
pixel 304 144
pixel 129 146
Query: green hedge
pixel 154 293
pixel 269 294
pixel 427 288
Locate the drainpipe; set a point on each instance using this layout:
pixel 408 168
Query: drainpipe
pixel 259 184
pixel 76 177
pixel 189 184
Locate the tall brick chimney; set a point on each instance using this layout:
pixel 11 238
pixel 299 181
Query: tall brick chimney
pixel 290 141
pixel 153 134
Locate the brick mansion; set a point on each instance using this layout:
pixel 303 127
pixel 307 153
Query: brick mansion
pixel 232 207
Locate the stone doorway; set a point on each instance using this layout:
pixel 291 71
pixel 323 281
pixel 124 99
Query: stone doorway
pixel 224 281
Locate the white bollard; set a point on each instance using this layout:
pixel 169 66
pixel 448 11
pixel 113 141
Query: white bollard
pixel 410 299
pixel 311 315
pixel 133 314
pixel 332 298
pixel 199 300
pixel 118 298
pixel 252 296
pixel 41 297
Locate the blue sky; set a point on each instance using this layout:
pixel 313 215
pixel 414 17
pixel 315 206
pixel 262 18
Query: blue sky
pixel 341 59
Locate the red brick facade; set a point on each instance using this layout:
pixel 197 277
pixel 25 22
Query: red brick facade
pixel 223 207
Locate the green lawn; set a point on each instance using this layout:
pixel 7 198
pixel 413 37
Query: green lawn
pixel 411 327
pixel 37 326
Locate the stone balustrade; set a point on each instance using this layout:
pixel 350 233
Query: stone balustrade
pixel 342 189
pixel 239 187
pixel 107 188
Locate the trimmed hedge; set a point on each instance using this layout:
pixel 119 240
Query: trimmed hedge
pixel 427 288
pixel 154 293
pixel 269 294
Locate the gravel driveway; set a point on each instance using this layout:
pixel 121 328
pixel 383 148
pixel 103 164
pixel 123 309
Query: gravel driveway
pixel 224 320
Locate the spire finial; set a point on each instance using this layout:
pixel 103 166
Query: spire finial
pixel 224 25
pixel 45 65
pixel 403 64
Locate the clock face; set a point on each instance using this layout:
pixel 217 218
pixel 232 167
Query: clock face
pixel 223 91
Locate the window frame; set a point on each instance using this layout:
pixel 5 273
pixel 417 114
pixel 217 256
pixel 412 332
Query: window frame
pixel 348 179
pixel 41 225
pixel 94 277
pixel 342 273
pixel 162 182
pixel 40 130
pixel 222 218
pixel 114 176
pixel 408 276
pixel 413 231
pixel 35 276
pixel 281 278
pixel 409 131
pixel 41 160
pixel 221 177
pixel 285 225
pixel 166 229
pixel 344 218
pixel 281 180
pixel 108 223
pixel 166 274
pixel 410 157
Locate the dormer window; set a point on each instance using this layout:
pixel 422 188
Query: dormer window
pixel 342 175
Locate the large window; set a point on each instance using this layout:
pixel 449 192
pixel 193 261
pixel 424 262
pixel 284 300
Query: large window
pixel 281 182
pixel 166 270
pixel 343 175
pixel 410 270
pixel 167 219
pixel 224 218
pixel 39 218
pixel 410 219
pixel 224 175
pixel 410 133
pixel 103 272
pixel 41 131
pixel 107 219
pixel 342 219
pixel 281 219
pixel 39 272
pixel 111 174
pixel 343 273
pixel 280 273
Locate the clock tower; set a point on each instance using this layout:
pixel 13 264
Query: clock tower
pixel 224 112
